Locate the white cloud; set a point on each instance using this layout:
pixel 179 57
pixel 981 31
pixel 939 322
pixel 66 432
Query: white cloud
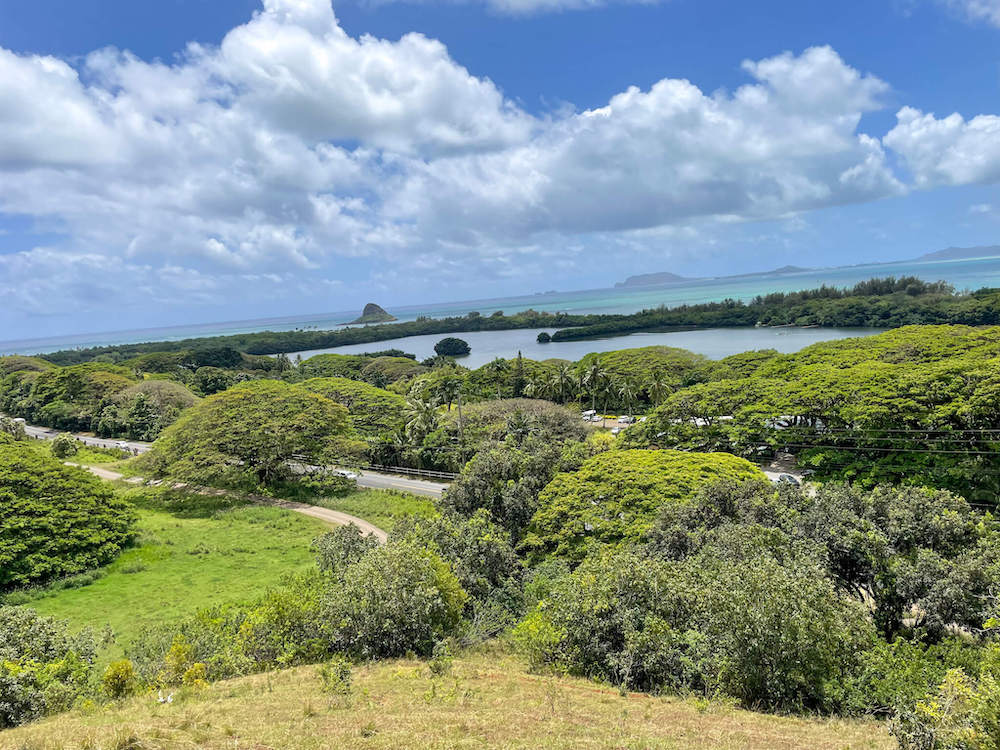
pixel 977 10
pixel 292 155
pixel 948 151
pixel 671 154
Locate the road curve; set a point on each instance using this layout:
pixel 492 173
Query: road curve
pixel 333 517
pixel 372 480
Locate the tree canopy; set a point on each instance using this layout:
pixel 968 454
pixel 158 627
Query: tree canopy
pixel 55 520
pixel 251 434
pixel 615 497
pixel 374 411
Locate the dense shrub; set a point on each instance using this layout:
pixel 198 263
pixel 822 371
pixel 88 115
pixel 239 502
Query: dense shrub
pixel 396 599
pixel 962 713
pixel 775 637
pixel 55 520
pixel 12 428
pixel 43 668
pixel 615 497
pixel 369 601
pixel 64 445
pixel 913 555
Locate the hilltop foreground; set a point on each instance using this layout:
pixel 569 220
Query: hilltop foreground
pixel 485 701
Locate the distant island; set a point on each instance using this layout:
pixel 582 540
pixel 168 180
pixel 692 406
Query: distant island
pixel 653 279
pixel 372 314
pixel 666 277
pixel 961 253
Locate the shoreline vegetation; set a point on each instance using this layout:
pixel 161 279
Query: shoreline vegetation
pixel 877 303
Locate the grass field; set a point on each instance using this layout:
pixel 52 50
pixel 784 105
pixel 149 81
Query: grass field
pixel 194 556
pixel 487 701
pixel 380 507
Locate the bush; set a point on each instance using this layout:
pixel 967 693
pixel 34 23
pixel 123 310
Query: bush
pixel 452 347
pixel 395 600
pixel 774 637
pixel 57 520
pixel 389 601
pixel 12 428
pixel 336 676
pixel 337 550
pixel 64 446
pixel 963 713
pixel 43 668
pixel 119 680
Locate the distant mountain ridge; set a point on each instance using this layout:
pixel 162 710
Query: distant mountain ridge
pixel 666 277
pixel 652 279
pixel 959 253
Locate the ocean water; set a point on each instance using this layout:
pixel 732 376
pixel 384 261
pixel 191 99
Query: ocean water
pixel 963 274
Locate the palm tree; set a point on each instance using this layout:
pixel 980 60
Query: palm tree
pixel 498 368
pixel 448 388
pixel 594 379
pixel 420 418
pixel 562 381
pixel 658 387
pixel 628 393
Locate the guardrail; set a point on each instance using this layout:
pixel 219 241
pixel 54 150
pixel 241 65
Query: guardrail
pixel 426 473
pixel 449 475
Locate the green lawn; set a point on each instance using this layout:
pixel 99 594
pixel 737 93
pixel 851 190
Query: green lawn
pixel 195 556
pixel 194 551
pixel 380 507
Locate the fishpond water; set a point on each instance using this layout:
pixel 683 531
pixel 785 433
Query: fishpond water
pixel 714 343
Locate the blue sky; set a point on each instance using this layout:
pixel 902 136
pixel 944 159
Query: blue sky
pixel 194 160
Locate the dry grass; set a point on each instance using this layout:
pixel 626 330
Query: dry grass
pixel 488 701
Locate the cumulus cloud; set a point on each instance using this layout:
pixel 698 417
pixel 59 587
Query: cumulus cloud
pixel 670 154
pixel 265 166
pixel 947 151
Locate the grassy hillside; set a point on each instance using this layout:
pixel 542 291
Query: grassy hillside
pixel 211 556
pixel 486 701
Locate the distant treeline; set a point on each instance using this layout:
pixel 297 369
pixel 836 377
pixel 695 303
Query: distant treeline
pixel 280 342
pixel 876 303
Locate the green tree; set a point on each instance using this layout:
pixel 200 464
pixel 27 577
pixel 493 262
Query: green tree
pixel 616 496
pixel 498 369
pixel 64 445
pixel 452 347
pixel 56 520
pixel 252 434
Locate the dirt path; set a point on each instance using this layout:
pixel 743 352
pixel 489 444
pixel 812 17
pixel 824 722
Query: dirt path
pixel 332 517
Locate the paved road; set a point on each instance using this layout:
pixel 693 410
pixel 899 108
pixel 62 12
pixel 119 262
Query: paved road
pixel 366 479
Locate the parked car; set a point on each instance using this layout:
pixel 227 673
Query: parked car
pixel 121 445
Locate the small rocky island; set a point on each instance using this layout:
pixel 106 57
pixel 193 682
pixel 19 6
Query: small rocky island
pixel 372 314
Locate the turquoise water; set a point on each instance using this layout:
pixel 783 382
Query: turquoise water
pixel 963 274
pixel 714 343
